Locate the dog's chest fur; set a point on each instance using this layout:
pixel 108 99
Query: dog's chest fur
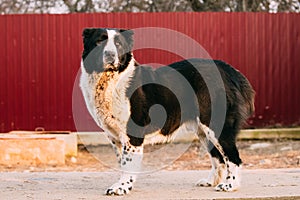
pixel 105 97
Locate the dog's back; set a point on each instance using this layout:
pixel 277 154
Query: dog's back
pixel 158 87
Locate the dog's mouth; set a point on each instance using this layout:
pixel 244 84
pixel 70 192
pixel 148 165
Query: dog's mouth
pixel 111 66
pixel 111 62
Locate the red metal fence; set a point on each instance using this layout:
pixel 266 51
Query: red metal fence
pixel 40 58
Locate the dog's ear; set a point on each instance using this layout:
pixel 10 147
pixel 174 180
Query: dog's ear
pixel 87 35
pixel 127 30
pixel 88 44
pixel 127 34
pixel 87 32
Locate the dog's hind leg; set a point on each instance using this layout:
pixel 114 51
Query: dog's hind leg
pixel 131 158
pixel 224 173
pixel 218 169
pixel 227 141
pixel 216 174
pixel 227 177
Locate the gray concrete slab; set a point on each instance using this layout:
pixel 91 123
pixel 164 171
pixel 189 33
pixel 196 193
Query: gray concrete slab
pixel 256 184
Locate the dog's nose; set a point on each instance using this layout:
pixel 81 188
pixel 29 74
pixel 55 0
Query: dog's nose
pixel 109 54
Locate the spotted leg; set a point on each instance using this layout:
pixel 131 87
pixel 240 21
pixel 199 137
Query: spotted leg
pixel 232 180
pixel 224 175
pixel 131 159
pixel 216 174
pixel 117 147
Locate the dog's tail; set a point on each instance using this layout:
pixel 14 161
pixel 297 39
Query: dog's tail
pixel 244 91
pixel 248 95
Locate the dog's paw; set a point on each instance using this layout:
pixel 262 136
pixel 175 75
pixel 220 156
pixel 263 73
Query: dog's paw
pixel 204 183
pixel 225 187
pixel 119 189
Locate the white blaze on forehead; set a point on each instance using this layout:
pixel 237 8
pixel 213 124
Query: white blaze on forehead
pixel 111 35
pixel 110 45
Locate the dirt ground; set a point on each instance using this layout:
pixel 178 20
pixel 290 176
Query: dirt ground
pixel 256 154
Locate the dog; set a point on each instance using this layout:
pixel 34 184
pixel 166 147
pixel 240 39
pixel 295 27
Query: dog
pixel 120 94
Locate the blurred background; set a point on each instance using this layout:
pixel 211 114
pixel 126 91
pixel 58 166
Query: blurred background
pixel 75 6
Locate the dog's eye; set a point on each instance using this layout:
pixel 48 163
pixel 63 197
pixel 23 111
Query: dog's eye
pixel 117 41
pixel 101 39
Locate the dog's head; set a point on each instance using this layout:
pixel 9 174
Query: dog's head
pixel 106 49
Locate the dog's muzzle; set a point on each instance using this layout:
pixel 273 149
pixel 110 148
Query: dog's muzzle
pixel 109 57
pixel 110 60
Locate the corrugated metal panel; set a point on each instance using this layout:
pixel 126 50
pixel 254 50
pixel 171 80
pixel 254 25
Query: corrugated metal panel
pixel 40 58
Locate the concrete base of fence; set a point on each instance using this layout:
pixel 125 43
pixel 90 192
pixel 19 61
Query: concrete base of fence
pixel 275 133
pixel 34 148
pixel 31 151
pixel 280 184
pixel 99 138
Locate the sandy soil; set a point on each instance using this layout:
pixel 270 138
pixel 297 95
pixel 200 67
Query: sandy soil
pixel 255 155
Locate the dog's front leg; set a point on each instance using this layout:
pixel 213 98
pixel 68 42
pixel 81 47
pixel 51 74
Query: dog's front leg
pixel 131 160
pixel 117 147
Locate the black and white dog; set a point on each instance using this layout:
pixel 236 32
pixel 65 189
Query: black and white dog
pixel 120 94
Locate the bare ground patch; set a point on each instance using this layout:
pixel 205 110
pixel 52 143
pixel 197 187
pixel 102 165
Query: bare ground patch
pixel 256 154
